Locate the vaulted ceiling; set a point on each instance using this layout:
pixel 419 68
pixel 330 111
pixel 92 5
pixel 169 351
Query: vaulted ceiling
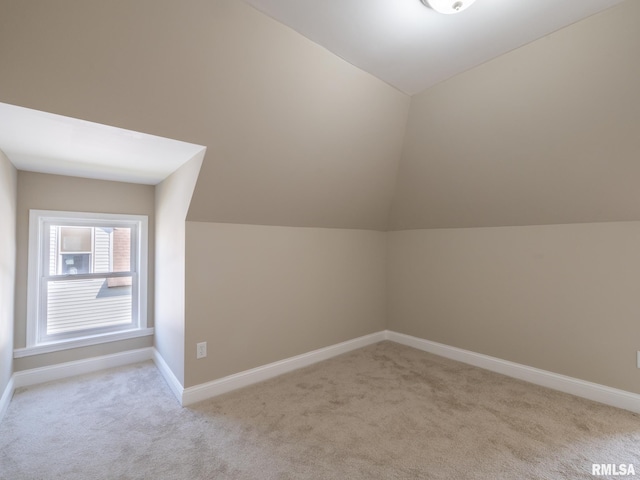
pixel 412 47
pixel 296 135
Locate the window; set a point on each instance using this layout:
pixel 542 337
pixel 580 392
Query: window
pixel 87 279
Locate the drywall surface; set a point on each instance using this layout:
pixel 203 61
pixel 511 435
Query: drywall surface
pixel 295 135
pixel 55 192
pixel 8 205
pixel 172 202
pixel 258 294
pixel 563 298
pixel 546 134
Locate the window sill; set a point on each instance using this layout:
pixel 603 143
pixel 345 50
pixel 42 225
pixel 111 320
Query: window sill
pixel 81 342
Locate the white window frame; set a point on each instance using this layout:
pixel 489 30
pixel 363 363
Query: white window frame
pixel 37 342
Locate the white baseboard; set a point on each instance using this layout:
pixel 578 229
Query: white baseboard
pixel 581 388
pixel 248 377
pixel 187 396
pixel 5 399
pixel 173 382
pixel 80 367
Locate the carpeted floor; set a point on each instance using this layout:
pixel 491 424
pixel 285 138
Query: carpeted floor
pixel 382 412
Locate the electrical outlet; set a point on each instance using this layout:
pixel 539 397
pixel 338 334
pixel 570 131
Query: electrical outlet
pixel 638 359
pixel 201 350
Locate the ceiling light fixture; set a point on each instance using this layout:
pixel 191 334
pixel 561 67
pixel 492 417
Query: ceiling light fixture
pixel 448 6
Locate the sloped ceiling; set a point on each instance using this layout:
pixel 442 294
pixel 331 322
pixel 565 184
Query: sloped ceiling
pixel 547 134
pixel 294 135
pixel 297 136
pixel 413 47
pixel 44 142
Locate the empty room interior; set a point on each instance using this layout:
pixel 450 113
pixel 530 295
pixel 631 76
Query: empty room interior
pixel 339 239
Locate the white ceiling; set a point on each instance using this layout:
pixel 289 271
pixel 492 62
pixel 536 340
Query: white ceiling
pixel 412 47
pixel 43 142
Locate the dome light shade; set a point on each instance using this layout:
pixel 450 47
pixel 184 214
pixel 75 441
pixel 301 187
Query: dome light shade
pixel 448 6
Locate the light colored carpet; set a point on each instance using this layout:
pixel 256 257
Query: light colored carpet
pixel 382 412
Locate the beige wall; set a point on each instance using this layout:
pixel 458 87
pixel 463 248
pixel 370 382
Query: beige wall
pixel 546 134
pixel 172 202
pixel 295 135
pixel 8 205
pixel 562 298
pixel 56 192
pixel 258 294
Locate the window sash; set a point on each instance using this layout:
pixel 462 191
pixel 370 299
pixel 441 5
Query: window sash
pixel 44 320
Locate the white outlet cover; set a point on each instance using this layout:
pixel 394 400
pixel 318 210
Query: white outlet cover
pixel 201 350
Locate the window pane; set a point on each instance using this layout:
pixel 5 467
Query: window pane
pixel 122 250
pixel 93 249
pixel 103 238
pixel 53 250
pixel 74 305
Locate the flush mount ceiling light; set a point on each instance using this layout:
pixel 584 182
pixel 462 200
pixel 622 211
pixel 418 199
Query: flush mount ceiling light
pixel 448 6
